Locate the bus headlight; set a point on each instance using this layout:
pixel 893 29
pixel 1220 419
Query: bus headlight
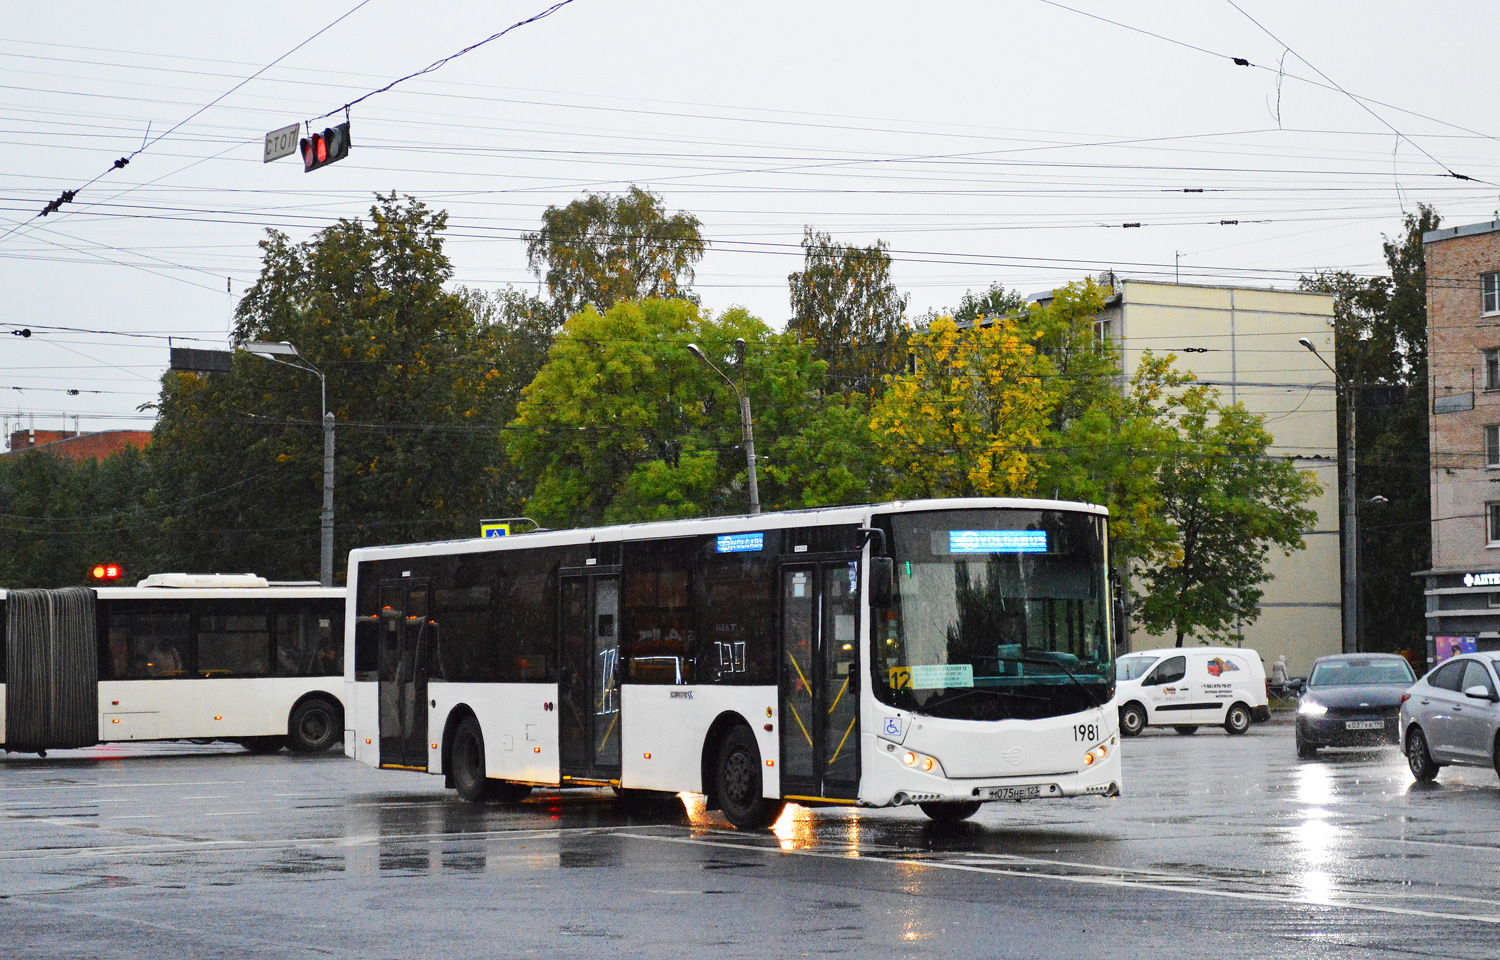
pixel 1095 755
pixel 922 761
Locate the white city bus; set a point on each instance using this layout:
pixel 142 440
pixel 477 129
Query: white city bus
pixel 941 652
pixel 177 657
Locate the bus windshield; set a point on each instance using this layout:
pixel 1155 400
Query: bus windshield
pixel 995 615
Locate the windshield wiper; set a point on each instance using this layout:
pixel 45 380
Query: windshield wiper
pixel 1003 694
pixel 1068 673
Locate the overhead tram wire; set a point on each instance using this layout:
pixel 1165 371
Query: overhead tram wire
pixel 68 195
pixel 1364 106
pixel 1244 62
pixel 438 64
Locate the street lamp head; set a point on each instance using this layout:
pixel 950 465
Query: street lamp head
pixel 1307 343
pixel 268 349
pixel 697 351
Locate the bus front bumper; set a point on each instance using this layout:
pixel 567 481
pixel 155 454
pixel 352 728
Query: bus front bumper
pixel 1100 779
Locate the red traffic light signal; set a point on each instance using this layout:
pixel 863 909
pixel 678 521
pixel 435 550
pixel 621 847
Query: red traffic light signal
pixel 106 572
pixel 321 149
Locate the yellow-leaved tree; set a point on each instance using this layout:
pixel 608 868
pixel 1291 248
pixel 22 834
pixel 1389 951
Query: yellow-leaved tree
pixel 970 416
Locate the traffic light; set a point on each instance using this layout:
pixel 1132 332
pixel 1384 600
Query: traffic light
pixel 321 149
pixel 106 572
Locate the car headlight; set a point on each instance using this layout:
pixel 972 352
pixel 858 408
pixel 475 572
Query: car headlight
pixel 1311 708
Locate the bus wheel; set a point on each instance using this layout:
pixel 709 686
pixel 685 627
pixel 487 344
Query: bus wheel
pixel 1132 719
pixel 262 744
pixel 737 778
pixel 468 762
pixel 1186 731
pixel 316 725
pixel 950 811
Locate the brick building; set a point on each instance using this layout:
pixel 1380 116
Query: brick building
pixel 78 446
pixel 1463 351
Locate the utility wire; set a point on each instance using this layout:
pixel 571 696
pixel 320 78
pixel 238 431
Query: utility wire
pixel 1358 100
pixel 67 195
pixel 436 64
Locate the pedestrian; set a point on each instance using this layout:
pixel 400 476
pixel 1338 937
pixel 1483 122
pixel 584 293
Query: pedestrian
pixel 1278 672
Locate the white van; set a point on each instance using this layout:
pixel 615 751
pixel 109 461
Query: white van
pixel 1188 687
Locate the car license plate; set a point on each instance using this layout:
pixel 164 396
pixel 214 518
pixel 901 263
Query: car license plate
pixel 1016 793
pixel 1364 724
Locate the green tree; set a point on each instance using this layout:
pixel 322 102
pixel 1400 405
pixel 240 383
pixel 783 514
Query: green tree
pixel 59 517
pixel 1229 503
pixel 601 250
pixel 1380 337
pixel 412 379
pixel 996 301
pixel 624 424
pixel 843 302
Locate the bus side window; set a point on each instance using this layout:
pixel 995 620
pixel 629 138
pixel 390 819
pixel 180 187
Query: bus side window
pixel 234 644
pixel 736 605
pixel 309 641
pixel 161 645
pixel 659 635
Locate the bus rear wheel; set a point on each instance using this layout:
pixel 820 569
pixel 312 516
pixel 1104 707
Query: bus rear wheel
pixel 1186 730
pixel 738 783
pixel 950 811
pixel 315 726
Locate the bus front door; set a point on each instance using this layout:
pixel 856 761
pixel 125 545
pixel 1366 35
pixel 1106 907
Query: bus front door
pixel 820 680
pixel 406 634
pixel 588 695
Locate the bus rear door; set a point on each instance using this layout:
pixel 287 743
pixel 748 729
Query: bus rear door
pixel 406 636
pixel 819 680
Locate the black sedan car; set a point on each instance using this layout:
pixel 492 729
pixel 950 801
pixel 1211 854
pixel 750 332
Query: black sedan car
pixel 1352 700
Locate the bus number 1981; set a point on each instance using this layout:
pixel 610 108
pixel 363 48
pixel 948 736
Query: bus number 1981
pixel 1088 732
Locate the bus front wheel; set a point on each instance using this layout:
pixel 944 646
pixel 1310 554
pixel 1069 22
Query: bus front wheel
pixel 315 726
pixel 950 811
pixel 738 783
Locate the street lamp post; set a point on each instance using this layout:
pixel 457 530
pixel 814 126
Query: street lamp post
pixel 745 422
pixel 1350 523
pixel 274 352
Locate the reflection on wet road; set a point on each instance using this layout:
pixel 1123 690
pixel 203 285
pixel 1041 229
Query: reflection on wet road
pixel 1223 845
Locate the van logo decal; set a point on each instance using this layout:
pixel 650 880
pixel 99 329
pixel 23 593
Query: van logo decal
pixel 1218 666
pixel 1012 756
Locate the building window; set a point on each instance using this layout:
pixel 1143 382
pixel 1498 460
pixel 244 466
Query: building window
pixel 1490 284
pixel 1492 369
pixel 1492 446
pixel 1492 514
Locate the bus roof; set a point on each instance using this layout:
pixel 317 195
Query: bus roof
pixel 781 519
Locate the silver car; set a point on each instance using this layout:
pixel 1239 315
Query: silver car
pixel 1452 715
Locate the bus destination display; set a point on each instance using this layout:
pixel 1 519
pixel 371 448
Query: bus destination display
pixel 997 541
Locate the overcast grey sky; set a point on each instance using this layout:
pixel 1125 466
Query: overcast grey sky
pixel 1003 142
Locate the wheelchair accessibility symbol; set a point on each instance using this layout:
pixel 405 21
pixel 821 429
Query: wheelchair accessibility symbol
pixel 892 727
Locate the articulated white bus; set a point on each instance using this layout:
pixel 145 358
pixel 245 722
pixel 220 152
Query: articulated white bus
pixel 177 657
pixel 944 653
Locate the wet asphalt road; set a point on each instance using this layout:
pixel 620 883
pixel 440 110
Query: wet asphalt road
pixel 1221 847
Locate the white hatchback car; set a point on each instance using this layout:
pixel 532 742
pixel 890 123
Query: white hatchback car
pixel 1452 715
pixel 1188 687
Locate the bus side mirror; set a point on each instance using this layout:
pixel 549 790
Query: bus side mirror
pixel 882 575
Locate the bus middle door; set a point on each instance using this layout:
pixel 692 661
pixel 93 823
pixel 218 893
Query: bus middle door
pixel 819 680
pixel 405 638
pixel 588 696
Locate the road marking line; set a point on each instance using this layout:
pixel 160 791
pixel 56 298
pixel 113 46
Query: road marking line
pixel 1118 882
